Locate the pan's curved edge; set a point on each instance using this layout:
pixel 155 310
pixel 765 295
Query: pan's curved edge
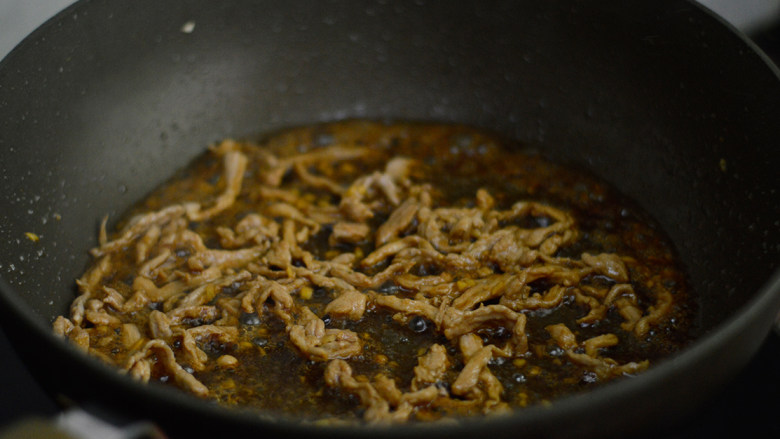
pixel 754 313
pixel 741 35
pixel 51 21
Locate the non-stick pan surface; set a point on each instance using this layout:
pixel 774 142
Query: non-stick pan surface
pixel 670 105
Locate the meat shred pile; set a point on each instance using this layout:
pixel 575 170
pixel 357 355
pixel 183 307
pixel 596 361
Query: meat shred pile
pixel 384 273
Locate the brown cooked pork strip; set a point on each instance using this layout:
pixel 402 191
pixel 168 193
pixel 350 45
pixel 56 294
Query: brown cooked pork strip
pixel 604 367
pixel 317 343
pixel 475 380
pixel 235 163
pixel 399 220
pixel 378 411
pixel 350 304
pixel 349 232
pixel 138 365
pixel 431 367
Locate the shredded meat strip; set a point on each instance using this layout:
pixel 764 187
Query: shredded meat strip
pixel 317 343
pixel 156 351
pixel 235 166
pixel 603 367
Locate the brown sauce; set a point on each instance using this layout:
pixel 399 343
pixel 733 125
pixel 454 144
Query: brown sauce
pixel 241 256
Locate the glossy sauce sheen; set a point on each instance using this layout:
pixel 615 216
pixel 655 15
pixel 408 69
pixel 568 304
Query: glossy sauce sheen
pixel 456 161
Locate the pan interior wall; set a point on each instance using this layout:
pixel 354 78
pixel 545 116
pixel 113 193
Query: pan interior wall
pixel 672 109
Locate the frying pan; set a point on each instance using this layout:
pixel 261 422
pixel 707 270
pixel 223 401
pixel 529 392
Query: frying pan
pixel 661 99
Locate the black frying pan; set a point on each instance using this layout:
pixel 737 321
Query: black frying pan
pixel 660 98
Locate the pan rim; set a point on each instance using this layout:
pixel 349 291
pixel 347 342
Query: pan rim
pixel 766 297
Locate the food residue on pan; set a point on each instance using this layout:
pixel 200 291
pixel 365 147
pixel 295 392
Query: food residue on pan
pixel 380 273
pixel 188 27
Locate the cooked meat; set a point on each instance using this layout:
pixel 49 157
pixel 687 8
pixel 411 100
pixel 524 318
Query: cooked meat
pixel 456 323
pixel 431 367
pixel 222 334
pixel 205 293
pixel 399 220
pixel 201 314
pixel 603 367
pixel 284 210
pixel 191 353
pixel 315 181
pixel 609 265
pixel 147 291
pixel 317 343
pixel 254 228
pixel 475 380
pixel 146 243
pixel 385 403
pixel 407 306
pixel 65 328
pixel 159 325
pixel 378 411
pixel 348 232
pixel 278 256
pixel 386 251
pixel 159 352
pixel 224 259
pixel 417 271
pixel 91 281
pixel 131 335
pixel 350 304
pixel 235 166
pixel 137 226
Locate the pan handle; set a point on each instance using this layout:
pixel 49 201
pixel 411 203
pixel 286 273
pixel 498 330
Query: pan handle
pixel 76 423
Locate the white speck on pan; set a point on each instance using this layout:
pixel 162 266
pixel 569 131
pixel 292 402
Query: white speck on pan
pixel 188 27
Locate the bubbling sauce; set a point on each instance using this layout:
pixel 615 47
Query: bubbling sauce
pixel 381 273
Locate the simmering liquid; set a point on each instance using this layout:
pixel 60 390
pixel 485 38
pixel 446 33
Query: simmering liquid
pixel 381 273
